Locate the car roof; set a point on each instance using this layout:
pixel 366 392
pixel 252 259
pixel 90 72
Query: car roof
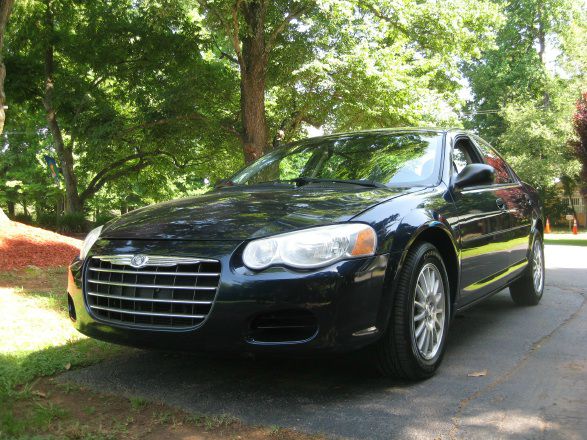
pixel 384 131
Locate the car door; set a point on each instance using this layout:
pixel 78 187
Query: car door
pixel 483 228
pixel 516 203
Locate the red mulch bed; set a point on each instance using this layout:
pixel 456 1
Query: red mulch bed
pixel 22 246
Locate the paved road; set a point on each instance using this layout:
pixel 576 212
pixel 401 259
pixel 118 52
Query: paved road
pixel 535 387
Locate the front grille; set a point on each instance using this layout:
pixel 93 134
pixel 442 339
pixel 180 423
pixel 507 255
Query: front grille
pixel 168 292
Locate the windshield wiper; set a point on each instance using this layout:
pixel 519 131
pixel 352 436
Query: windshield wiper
pixel 301 181
pixel 275 182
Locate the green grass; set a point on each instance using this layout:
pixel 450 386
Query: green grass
pixel 566 242
pixel 138 403
pixel 566 239
pixel 37 339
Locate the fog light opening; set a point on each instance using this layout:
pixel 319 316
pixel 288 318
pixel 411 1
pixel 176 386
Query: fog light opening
pixel 284 326
pixel 366 331
pixel 71 308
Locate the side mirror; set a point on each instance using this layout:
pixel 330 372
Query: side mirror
pixel 475 174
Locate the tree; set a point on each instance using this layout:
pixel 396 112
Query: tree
pixel 515 70
pixel 115 82
pixel 254 28
pixel 315 47
pixel 64 152
pixel 536 141
pixel 580 143
pixel 523 96
pixel 153 91
pixel 5 11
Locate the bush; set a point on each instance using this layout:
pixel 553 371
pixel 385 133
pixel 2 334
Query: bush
pixel 104 218
pixel 27 219
pixel 555 209
pixel 72 223
pixel 47 220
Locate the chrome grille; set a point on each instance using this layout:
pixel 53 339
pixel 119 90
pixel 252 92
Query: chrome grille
pixel 168 292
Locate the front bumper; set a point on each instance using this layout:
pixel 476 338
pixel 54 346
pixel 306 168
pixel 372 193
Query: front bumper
pixel 345 299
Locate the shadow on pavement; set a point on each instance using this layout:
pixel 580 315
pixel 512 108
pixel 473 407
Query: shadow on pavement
pixel 344 395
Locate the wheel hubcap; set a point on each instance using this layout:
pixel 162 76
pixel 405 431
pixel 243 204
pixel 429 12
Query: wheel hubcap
pixel 429 320
pixel 537 266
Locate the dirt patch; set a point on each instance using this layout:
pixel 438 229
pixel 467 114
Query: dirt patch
pixel 35 279
pixel 22 246
pixel 75 412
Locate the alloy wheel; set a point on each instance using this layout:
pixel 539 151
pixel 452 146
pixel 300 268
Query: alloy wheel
pixel 537 266
pixel 429 311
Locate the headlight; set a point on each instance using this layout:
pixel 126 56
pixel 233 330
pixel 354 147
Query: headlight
pixel 89 242
pixel 312 248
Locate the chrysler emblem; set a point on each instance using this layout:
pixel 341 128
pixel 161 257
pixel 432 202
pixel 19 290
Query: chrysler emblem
pixel 139 260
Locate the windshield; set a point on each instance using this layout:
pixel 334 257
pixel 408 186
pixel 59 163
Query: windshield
pixel 377 159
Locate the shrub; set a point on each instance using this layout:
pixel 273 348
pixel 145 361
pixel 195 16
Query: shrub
pixel 72 223
pixel 104 218
pixel 47 220
pixel 23 218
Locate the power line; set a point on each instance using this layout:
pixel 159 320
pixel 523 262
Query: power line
pixel 492 111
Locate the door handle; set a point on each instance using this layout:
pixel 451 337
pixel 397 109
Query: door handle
pixel 500 203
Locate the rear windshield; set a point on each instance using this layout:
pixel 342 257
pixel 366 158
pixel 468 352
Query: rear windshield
pixel 397 159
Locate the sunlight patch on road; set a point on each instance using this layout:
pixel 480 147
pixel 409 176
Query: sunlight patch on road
pixel 565 257
pixel 509 422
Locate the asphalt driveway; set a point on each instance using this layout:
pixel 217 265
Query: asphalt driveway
pixel 535 385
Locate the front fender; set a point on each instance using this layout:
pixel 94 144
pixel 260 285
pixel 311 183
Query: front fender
pixel 406 234
pixel 405 220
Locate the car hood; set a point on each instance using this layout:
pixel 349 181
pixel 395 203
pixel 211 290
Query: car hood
pixel 240 214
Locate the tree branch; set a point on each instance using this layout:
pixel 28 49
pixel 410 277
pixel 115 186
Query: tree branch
pixel 224 54
pixel 165 121
pixel 232 32
pixel 118 169
pixel 177 163
pixel 228 127
pixel 235 34
pixel 290 124
pixel 377 13
pixel 102 176
pixel 90 191
pixel 278 30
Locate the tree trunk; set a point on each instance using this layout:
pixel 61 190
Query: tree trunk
pixel 5 10
pixel 541 51
pixel 73 202
pixel 252 57
pixel 253 67
pixel 253 116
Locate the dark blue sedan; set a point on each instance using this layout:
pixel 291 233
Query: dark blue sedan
pixel 368 240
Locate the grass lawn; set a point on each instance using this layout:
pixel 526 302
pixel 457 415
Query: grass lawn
pixel 37 341
pixel 566 239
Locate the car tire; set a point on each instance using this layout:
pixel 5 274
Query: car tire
pixel 528 290
pixel 402 351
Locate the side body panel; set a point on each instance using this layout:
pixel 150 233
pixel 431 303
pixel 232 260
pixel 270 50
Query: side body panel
pixel 519 211
pixel 495 225
pixel 486 241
